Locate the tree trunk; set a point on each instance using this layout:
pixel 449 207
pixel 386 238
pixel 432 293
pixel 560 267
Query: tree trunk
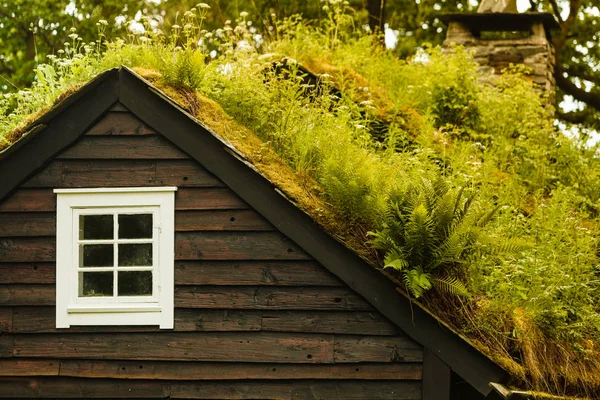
pixel 29 46
pixel 376 10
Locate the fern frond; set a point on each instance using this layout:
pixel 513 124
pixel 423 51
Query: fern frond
pixel 443 216
pixel 512 246
pixel 440 186
pixel 396 259
pixel 417 281
pixel 381 240
pixel 486 217
pixel 450 249
pixel 450 285
pixel 429 194
pixel 458 199
pixel 418 233
pixel 462 212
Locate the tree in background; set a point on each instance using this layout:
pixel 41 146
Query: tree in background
pixel 576 44
pixel 31 29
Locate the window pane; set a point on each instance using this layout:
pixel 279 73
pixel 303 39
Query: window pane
pixel 135 226
pixel 135 255
pixel 134 283
pixel 96 255
pixel 95 284
pixel 96 227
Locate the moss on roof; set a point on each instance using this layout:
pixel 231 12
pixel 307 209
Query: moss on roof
pixel 299 187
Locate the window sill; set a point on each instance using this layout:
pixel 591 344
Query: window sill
pixel 113 309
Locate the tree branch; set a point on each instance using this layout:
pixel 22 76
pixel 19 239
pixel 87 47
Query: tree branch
pixel 575 117
pixel 591 99
pixel 555 9
pixel 533 5
pixel 6 69
pixel 586 117
pixel 585 75
pixel 574 6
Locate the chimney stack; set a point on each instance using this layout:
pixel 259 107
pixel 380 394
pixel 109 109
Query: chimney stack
pixel 500 39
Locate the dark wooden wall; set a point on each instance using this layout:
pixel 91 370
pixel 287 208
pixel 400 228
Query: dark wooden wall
pixel 255 318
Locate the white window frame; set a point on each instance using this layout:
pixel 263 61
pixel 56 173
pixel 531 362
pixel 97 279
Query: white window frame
pixel 145 310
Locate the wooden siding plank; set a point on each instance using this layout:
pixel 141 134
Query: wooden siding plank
pixel 232 390
pixel 236 246
pixel 22 224
pixel 107 173
pixel 268 273
pixel 218 297
pixel 357 390
pixel 49 177
pixel 44 200
pixel 217 320
pixel 188 246
pixel 197 346
pixel 184 173
pixel 123 147
pixel 36 273
pixel 35 249
pixel 43 320
pixel 206 199
pixel 116 173
pixel 24 295
pixel 27 224
pixel 95 173
pixel 120 123
pixel 6 346
pixel 354 323
pixel 237 273
pixel 230 371
pixel 6 320
pixel 221 220
pixel 33 200
pixel 352 349
pixel 45 387
pixel 15 367
pixel 334 390
pixel 269 298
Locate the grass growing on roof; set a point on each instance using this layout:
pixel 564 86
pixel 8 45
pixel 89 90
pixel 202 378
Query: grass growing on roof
pixel 481 207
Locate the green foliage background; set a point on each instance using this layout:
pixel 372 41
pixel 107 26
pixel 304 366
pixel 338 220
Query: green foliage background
pixel 31 30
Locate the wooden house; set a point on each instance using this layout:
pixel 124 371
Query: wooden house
pixel 142 257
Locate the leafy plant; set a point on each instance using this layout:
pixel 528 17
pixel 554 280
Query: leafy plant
pixel 430 233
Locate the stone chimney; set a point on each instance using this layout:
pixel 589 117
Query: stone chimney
pixel 499 39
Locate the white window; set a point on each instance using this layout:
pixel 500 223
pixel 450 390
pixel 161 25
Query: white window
pixel 114 256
